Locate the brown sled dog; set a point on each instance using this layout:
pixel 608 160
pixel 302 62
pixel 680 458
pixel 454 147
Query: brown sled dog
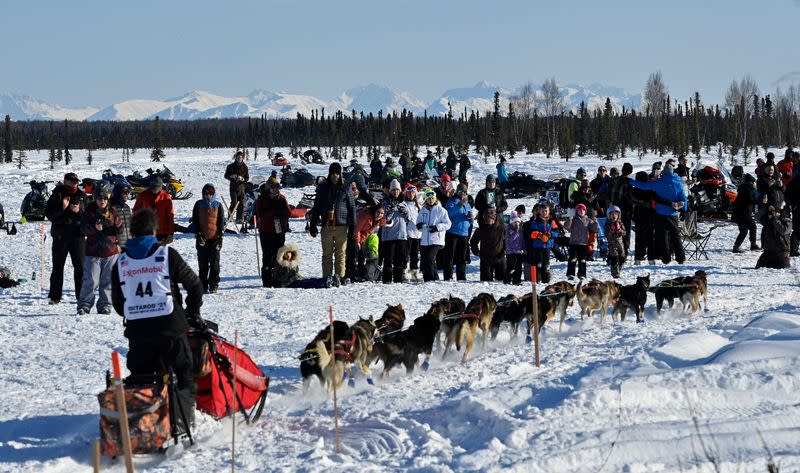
pixel 559 297
pixel 687 289
pixel 508 310
pixel 354 348
pixel 309 359
pixel 452 307
pixel 392 319
pixel 596 295
pixel 478 313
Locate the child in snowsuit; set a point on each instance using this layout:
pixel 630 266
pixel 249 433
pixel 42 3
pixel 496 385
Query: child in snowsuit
pixel 539 233
pixel 615 235
pixel 579 228
pixel 515 250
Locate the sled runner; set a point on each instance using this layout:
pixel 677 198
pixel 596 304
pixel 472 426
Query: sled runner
pixel 214 374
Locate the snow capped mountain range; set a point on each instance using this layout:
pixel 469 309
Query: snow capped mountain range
pixel 199 104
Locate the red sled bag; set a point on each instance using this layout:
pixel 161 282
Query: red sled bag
pixel 214 391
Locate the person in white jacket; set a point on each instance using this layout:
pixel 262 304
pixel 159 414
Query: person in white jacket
pixel 413 234
pixel 433 222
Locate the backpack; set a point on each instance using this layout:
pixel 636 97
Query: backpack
pixel 563 193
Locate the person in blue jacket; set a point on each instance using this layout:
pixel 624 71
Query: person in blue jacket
pixel 502 173
pixel 538 235
pixel 670 200
pixel 457 237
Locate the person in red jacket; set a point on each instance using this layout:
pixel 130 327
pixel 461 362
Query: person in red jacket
pixel 272 215
pixel 161 202
pixel 785 167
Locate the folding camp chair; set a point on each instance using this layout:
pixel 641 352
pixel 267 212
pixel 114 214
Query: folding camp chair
pixel 694 241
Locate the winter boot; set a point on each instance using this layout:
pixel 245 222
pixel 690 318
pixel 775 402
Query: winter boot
pixel 755 247
pixel 581 269
pixel 736 249
pixel 571 268
pixel 637 262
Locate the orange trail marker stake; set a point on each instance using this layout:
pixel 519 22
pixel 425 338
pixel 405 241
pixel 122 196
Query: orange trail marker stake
pixel 535 312
pixel 335 405
pixel 122 409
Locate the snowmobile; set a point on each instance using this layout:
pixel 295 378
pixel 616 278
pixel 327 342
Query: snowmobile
pixel 312 156
pixel 520 184
pixel 279 160
pixel 296 178
pixel 710 195
pixel 88 183
pixel 34 204
pixel 172 184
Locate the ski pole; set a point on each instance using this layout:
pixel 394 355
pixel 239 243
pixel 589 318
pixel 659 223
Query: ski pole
pixel 258 250
pixel 122 410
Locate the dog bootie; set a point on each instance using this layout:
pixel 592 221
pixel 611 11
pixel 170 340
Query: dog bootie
pixel 351 382
pixel 370 382
pixel 425 365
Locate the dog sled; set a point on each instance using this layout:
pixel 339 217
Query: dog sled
pixel 213 358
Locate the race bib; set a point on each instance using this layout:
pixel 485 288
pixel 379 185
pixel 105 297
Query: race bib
pixel 146 285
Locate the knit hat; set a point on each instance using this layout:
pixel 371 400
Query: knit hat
pixel 514 217
pixel 580 207
pixel 410 188
pixel 580 172
pixel 668 168
pixel 395 184
pixel 156 184
pixel 491 178
pixel 612 209
pixel 446 177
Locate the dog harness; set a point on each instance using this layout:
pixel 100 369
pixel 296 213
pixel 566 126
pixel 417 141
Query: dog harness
pixel 146 285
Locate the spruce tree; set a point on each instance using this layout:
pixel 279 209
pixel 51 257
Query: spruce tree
pixel 495 131
pixel 67 154
pixel 22 156
pixel 89 147
pixel 8 153
pixel 511 133
pixel 566 144
pixel 158 153
pixel 51 142
pixel 608 134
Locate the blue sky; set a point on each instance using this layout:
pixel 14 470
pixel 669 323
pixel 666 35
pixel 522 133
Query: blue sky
pixel 100 52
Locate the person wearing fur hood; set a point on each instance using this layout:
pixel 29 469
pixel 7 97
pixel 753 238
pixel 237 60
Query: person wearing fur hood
pixel 287 266
pixel 208 218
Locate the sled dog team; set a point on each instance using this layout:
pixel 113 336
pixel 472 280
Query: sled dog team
pixel 385 339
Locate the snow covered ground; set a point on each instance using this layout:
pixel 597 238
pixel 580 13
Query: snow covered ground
pixel 608 397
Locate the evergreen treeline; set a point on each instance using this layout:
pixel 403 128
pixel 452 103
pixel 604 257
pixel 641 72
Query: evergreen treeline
pixel 681 128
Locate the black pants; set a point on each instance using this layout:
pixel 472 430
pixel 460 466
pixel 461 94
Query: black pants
pixel 577 255
pixel 645 247
pixel 237 196
pixel 615 263
pixel 794 242
pixel 208 260
pixel 668 239
pixel 627 218
pixel 746 225
pixel 540 258
pixel 428 262
pixel 150 356
pixel 514 269
pixel 413 253
pixel 270 244
pixel 454 250
pixel 394 260
pixel 75 247
pixel 493 270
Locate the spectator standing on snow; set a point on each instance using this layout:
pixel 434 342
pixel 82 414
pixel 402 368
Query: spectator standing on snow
pixel 451 162
pixel 460 213
pixel 65 209
pixel 502 172
pixel 238 175
pixel 775 236
pixel 644 216
pixel 615 232
pixel 463 166
pixel 579 228
pixel 490 197
pixel 208 218
pixel 488 243
pixel 515 249
pixel 742 213
pixel 792 199
pixel 272 215
pixel 394 235
pixel 670 200
pixel 119 201
pixel 770 188
pixel 334 208
pixel 539 233
pixel 145 292
pixel 159 200
pixel 433 222
pixel 414 235
pixel 100 225
pixel 621 197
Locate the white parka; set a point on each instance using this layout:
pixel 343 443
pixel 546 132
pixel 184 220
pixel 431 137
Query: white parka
pixel 435 215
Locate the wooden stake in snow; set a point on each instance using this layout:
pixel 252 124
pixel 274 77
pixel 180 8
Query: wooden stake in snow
pixel 96 456
pixel 535 315
pixel 41 275
pixel 335 405
pixel 233 416
pixel 258 252
pixel 122 409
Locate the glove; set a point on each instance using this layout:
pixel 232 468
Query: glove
pixel 312 230
pixel 432 228
pixel 403 211
pixel 168 239
pixel 201 240
pixel 218 246
pixel 419 226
